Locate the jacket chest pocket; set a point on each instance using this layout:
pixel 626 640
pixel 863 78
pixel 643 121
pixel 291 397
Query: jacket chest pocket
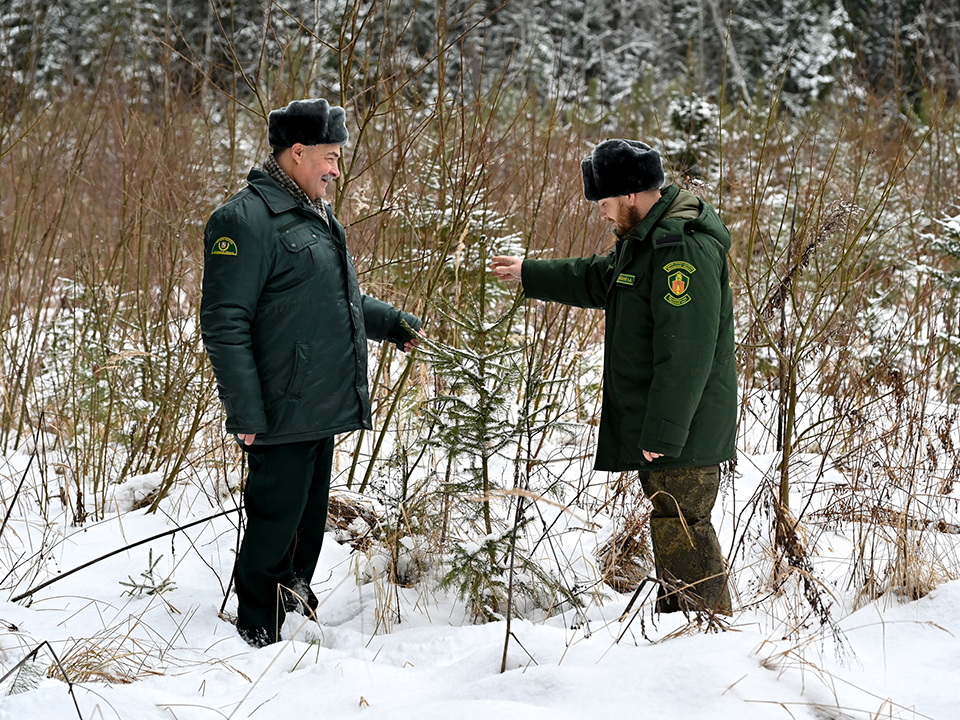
pixel 298 241
pixel 298 234
pixel 630 303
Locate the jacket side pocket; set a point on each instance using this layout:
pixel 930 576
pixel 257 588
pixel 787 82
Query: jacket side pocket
pixel 300 367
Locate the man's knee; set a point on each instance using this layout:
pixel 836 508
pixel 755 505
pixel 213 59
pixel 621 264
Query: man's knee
pixel 688 492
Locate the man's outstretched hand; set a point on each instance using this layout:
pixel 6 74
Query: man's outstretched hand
pixel 507 268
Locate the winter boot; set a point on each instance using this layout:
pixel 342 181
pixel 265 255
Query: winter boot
pixel 300 598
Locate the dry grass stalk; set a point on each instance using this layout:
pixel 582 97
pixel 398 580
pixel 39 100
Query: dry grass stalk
pixel 106 657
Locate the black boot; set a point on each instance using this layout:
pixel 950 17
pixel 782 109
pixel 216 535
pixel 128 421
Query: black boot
pixel 255 637
pixel 300 598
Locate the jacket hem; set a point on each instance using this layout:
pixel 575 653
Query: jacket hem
pixel 312 435
pixel 664 463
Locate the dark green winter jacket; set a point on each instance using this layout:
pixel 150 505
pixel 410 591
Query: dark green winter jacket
pixel 669 368
pixel 283 320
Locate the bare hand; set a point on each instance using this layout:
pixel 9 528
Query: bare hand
pixel 651 456
pixel 246 439
pixel 507 268
pixel 413 342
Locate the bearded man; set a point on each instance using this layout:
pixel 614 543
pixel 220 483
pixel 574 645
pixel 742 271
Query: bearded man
pixel 669 369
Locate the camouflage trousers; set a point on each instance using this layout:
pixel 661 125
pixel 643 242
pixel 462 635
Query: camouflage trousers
pixel 685 546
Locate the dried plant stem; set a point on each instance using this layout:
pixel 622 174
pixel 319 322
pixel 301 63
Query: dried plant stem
pixel 84 566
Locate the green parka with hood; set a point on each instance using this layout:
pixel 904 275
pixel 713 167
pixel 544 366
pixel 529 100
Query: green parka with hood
pixel 283 320
pixel 669 358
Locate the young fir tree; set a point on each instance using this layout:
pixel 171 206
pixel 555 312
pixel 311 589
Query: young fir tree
pixel 480 412
pixel 475 420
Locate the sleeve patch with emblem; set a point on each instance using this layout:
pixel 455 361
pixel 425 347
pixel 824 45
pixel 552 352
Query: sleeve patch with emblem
pixel 224 246
pixel 678 281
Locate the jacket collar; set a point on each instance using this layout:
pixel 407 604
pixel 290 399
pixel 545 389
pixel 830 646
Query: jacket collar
pixel 273 194
pixel 279 200
pixel 650 220
pixel 627 243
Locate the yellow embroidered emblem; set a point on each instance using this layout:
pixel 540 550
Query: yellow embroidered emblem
pixel 678 280
pixel 224 246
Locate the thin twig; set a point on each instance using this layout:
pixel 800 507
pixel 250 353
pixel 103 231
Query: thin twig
pixel 177 529
pixel 13 501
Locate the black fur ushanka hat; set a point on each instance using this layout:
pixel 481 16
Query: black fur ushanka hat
pixel 309 122
pixel 620 167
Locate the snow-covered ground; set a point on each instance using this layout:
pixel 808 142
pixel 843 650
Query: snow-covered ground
pixel 892 658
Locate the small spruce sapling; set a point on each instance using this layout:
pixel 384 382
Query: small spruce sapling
pixel 152 583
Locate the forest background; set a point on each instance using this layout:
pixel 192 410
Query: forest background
pixel 825 132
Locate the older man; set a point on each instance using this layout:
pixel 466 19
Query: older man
pixel 669 391
pixel 286 329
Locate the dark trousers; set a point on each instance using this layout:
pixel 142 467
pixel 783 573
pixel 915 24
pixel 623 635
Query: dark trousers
pixel 685 545
pixel 285 498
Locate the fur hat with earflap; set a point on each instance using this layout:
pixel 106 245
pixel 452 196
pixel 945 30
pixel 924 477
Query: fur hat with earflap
pixel 308 122
pixel 621 167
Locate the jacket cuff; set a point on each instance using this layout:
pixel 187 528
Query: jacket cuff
pixel 252 423
pixel 400 334
pixel 532 274
pixel 662 436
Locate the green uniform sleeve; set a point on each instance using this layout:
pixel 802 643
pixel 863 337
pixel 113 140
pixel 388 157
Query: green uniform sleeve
pixel 685 301
pixel 382 321
pixel 581 282
pixel 235 269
